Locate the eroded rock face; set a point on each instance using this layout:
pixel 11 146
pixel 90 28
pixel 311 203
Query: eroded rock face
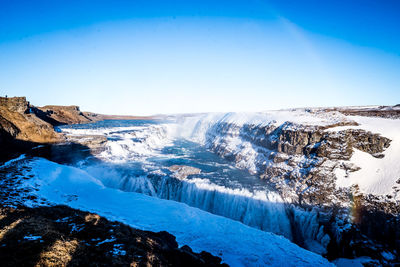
pixel 374 111
pixel 15 104
pixel 20 129
pixel 293 156
pixel 7 129
pixel 60 115
pixel 182 171
pixel 17 120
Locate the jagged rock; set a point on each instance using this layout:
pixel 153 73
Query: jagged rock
pixel 24 126
pixel 301 154
pixel 15 104
pixel 381 111
pixel 183 171
pixel 62 236
pixel 8 129
pixel 59 115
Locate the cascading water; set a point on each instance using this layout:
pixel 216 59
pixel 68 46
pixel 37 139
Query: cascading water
pixel 138 157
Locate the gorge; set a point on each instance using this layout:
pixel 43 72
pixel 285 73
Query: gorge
pixel 323 179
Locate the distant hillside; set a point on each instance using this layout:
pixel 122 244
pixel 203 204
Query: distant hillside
pixel 59 115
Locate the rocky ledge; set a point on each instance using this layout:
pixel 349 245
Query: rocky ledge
pixel 373 111
pixel 21 129
pixel 62 236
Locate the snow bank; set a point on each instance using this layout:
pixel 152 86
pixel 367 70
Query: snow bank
pixel 376 176
pixel 8 163
pixel 236 243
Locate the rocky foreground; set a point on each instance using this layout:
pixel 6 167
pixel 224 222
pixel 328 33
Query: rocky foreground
pixel 62 236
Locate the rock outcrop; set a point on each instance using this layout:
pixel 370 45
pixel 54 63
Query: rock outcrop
pixel 373 111
pixel 182 171
pixel 299 157
pixel 21 129
pixel 61 115
pixel 15 104
pixel 19 121
pixel 62 236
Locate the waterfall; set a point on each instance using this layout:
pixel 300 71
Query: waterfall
pixel 127 166
pixel 263 210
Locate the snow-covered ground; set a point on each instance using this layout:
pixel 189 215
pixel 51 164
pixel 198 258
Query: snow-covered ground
pixel 236 243
pixel 377 175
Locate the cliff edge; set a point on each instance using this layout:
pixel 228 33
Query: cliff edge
pixel 21 128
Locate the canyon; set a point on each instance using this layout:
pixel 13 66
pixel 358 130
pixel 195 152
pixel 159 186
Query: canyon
pixel 326 179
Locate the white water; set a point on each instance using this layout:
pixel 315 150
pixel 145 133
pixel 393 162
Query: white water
pixel 260 209
pixel 136 159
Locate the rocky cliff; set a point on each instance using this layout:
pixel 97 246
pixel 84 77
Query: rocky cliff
pixel 59 115
pixel 20 128
pixel 297 159
pixel 372 111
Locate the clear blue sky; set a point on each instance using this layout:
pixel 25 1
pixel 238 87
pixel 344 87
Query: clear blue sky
pixel 149 57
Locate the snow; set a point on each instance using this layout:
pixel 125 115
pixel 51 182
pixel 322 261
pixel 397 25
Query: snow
pixel 117 250
pixel 262 209
pixel 8 163
pixel 388 256
pixel 32 237
pixel 278 117
pixel 133 142
pixel 377 175
pixel 236 243
pixel 107 241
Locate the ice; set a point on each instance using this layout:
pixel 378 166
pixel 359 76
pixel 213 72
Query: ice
pixel 236 243
pixel 32 237
pixel 8 163
pixel 106 241
pixel 117 250
pixel 388 256
pixel 260 209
